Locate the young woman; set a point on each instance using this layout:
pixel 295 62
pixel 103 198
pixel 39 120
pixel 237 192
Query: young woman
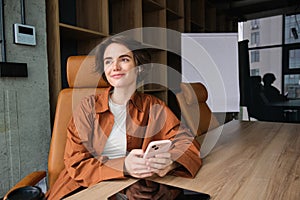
pixel 109 132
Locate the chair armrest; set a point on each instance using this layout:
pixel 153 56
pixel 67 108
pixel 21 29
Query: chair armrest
pixel 29 180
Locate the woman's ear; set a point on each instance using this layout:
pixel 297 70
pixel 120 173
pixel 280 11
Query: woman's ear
pixel 140 69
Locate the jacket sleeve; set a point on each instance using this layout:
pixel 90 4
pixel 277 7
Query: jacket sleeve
pixel 185 149
pixel 81 162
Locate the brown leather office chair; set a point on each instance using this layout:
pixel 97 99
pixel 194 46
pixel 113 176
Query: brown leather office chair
pixel 83 81
pixel 194 109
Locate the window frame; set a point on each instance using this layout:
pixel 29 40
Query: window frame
pixel 286 62
pixel 286 47
pixel 255 56
pixel 255 40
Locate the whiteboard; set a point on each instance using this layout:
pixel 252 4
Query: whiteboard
pixel 212 59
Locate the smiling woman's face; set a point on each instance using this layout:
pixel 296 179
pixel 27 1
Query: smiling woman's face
pixel 119 66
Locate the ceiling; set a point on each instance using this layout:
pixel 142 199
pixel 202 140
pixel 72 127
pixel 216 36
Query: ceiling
pixel 244 10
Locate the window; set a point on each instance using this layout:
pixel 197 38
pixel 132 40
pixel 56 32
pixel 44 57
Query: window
pixel 254 24
pixel 291 71
pixel 292 85
pixel 254 72
pixel 268 33
pixel 267 60
pixel 255 38
pixel 254 56
pixel 292 29
pixel 274 46
pixel 294 59
pixel 291 62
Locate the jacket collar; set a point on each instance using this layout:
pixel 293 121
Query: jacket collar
pixel 101 104
pixel 137 100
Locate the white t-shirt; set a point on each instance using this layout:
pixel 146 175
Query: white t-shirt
pixel 115 146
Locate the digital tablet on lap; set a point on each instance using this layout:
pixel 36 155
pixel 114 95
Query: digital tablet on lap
pixel 146 189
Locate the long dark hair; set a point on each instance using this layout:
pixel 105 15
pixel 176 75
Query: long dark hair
pixel 140 52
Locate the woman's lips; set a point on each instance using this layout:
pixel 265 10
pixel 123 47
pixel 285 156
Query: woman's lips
pixel 116 76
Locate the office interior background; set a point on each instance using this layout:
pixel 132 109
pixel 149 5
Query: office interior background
pixel 27 104
pixel 274 47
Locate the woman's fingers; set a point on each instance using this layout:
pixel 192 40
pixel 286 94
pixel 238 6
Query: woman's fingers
pixel 160 161
pixel 142 175
pixel 137 152
pixel 136 166
pixel 163 155
pixel 159 165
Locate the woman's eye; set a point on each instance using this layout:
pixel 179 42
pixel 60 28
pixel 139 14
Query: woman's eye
pixel 125 60
pixel 107 62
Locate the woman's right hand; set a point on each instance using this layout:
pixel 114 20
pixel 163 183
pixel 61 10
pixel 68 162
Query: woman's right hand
pixel 136 166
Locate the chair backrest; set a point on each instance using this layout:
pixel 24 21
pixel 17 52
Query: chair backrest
pixel 194 109
pixel 257 100
pixel 83 81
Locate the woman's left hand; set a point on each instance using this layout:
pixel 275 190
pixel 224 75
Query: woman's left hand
pixel 161 164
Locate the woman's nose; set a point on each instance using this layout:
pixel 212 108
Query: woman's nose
pixel 116 66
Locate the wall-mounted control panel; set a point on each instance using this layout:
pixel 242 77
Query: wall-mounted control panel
pixel 24 34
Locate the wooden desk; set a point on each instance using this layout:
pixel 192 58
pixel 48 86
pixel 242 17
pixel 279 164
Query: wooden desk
pixel 290 104
pixel 290 108
pixel 252 160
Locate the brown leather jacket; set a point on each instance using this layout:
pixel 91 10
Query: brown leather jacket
pixel 148 119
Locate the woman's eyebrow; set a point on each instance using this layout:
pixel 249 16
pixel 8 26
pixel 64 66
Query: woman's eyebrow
pixel 121 56
pixel 125 55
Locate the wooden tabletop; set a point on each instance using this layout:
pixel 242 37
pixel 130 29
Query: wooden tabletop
pixel 251 160
pixel 292 104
